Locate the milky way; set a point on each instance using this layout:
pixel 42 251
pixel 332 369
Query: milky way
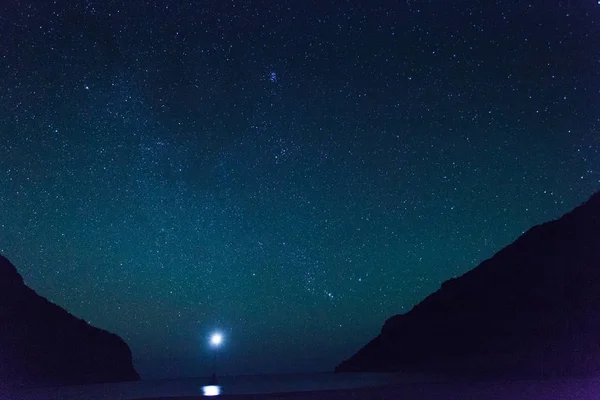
pixel 290 172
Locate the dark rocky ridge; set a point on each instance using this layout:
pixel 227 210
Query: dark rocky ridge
pixel 531 310
pixel 42 344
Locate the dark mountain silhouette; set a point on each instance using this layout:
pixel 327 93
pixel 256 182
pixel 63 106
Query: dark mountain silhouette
pixel 531 310
pixel 42 344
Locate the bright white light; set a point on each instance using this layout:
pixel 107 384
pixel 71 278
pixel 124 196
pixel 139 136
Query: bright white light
pixel 216 339
pixel 211 390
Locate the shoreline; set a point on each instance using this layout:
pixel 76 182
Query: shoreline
pixel 577 388
pixel 563 389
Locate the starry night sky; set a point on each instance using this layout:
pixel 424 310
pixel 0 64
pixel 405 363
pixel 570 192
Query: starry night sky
pixel 290 172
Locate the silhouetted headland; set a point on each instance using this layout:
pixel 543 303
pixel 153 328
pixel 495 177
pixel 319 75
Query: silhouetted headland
pixel 42 344
pixel 529 311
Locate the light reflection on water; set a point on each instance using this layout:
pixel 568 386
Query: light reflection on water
pixel 358 386
pixel 201 386
pixel 211 390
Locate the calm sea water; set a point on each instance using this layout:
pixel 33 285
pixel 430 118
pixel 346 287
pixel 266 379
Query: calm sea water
pixel 248 384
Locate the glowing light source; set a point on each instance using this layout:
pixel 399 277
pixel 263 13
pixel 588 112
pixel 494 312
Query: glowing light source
pixel 216 339
pixel 211 390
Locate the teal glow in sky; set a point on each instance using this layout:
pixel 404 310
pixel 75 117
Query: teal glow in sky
pixel 290 172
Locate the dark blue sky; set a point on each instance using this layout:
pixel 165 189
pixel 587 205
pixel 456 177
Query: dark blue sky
pixel 291 172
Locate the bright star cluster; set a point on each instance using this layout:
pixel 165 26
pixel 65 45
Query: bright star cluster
pixel 292 172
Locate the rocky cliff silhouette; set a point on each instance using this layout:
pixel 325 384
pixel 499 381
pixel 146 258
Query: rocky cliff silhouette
pixel 532 310
pixel 42 344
